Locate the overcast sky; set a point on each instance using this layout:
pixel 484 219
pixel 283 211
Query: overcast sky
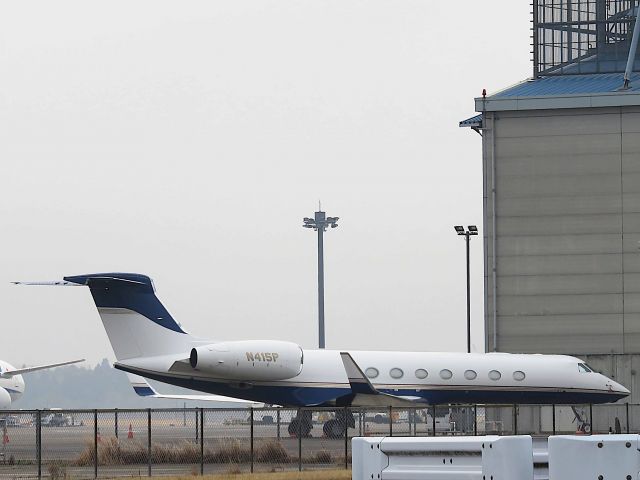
pixel 186 141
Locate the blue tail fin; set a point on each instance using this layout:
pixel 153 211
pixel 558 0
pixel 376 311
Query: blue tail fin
pixel 127 290
pixel 136 322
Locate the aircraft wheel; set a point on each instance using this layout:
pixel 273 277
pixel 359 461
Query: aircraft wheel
pixel 293 427
pixel 340 417
pixel 297 427
pixel 333 429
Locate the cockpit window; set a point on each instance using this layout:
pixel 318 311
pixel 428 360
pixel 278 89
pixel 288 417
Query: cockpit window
pixel 584 368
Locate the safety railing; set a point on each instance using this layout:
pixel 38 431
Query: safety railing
pixel 114 443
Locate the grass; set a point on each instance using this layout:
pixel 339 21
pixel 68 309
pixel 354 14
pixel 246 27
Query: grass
pixel 113 452
pixel 309 475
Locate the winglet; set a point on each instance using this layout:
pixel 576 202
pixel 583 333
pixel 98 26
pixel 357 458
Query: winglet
pixel 357 379
pixel 143 389
pixel 140 386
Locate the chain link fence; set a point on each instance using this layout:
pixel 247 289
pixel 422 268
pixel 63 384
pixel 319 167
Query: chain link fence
pixel 88 444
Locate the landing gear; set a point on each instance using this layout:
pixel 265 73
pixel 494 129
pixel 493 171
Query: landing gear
pixel 583 427
pixel 301 426
pixel 335 427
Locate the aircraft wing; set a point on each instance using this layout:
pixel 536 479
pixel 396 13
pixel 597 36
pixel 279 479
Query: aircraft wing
pixel 364 393
pixel 143 389
pixel 20 371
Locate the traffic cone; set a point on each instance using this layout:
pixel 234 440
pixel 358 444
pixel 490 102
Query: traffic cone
pixel 130 434
pixel 98 435
pixel 5 436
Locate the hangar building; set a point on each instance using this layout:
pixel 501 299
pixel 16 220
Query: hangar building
pixel 561 170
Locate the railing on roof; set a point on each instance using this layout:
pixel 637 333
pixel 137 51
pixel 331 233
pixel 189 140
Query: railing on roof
pixel 581 36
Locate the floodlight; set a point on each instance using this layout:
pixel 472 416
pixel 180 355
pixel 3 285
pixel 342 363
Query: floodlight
pixel 471 231
pixel 320 223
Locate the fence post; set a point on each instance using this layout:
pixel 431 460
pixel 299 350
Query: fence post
pixel 346 438
pixel 299 417
pixel 553 417
pixel 591 419
pixel 252 434
pixel 627 405
pixel 433 419
pixel 415 422
pixel 515 419
pixel 39 441
pixel 115 421
pixel 390 421
pixel 278 421
pixel 149 442
pixel 95 443
pixel 197 428
pixel 475 420
pixel 201 441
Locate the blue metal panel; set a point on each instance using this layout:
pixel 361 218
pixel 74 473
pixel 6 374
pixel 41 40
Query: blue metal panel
pixel 571 85
pixel 475 121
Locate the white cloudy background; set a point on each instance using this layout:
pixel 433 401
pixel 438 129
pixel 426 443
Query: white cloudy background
pixel 187 140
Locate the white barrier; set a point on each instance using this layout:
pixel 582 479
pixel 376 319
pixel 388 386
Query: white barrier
pixel 438 458
pixel 597 457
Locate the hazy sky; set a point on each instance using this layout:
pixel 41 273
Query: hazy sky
pixel 186 140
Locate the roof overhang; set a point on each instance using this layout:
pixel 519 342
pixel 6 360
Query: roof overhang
pixel 546 102
pixel 473 122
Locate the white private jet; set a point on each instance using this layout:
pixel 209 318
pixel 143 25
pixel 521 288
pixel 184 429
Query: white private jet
pixel 147 341
pixel 12 384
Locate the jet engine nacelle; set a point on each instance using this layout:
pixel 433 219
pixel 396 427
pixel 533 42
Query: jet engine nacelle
pixel 5 399
pixel 249 360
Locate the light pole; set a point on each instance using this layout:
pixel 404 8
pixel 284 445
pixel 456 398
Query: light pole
pixel 471 230
pixel 319 223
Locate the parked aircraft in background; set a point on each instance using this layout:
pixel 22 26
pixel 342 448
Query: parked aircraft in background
pixel 12 383
pixel 147 341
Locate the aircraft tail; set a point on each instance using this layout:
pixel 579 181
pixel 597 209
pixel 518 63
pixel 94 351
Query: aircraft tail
pixel 137 324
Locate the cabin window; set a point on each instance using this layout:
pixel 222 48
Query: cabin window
pixel 396 373
pixel 518 375
pixel 421 373
pixel 446 374
pixel 495 375
pixel 470 375
pixel 371 372
pixel 584 368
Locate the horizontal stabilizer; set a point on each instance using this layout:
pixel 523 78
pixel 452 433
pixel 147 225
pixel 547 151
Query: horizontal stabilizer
pixel 143 389
pixel 51 283
pixel 20 371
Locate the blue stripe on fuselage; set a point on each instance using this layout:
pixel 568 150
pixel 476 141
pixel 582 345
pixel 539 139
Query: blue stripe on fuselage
pixel 301 396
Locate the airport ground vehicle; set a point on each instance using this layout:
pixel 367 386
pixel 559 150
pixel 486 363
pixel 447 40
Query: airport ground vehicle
pixel 56 419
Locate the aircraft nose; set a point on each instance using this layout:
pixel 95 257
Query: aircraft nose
pixel 615 387
pixel 621 389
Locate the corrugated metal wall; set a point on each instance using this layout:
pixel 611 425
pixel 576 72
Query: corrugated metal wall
pixel 567 197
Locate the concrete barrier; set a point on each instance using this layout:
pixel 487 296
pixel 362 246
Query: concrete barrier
pixel 438 458
pixel 597 457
